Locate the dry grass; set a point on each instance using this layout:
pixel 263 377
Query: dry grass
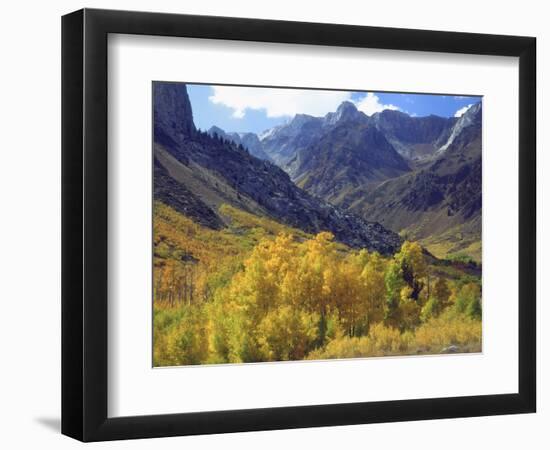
pixel 430 338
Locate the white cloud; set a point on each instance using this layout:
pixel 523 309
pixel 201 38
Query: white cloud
pixel 462 110
pixel 277 102
pixel 370 104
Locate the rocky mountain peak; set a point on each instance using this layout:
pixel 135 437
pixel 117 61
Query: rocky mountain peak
pixel 216 130
pixel 346 107
pixel 390 113
pixel 346 111
pixel 299 120
pixel 473 113
pixel 172 111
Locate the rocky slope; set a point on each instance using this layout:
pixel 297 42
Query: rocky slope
pixel 439 202
pixel 282 142
pixel 471 117
pixel 331 155
pixel 415 138
pixel 346 157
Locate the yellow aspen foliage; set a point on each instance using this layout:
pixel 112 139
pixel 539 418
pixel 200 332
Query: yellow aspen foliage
pixel 260 291
pixel 374 290
pixel 348 297
pixel 286 334
pixel 413 267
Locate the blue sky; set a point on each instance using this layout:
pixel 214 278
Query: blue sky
pixel 235 108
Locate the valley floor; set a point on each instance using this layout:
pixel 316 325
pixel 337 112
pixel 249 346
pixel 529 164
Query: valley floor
pixel 257 290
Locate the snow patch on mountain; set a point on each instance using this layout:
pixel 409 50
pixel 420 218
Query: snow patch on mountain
pixel 467 119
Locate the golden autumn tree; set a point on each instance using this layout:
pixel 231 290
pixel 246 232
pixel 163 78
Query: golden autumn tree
pixel 438 300
pixel 315 285
pixel 346 289
pixel 404 281
pixel 374 290
pixel 413 267
pixel 286 333
pixel 271 300
pixel 394 284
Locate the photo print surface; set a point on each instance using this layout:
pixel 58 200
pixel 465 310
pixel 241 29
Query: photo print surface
pixel 303 224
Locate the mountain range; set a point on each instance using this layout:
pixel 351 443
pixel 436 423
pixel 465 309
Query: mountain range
pixel 440 201
pixel 417 176
pixel 197 172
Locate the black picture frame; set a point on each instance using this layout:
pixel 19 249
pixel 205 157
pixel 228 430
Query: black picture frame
pixel 84 224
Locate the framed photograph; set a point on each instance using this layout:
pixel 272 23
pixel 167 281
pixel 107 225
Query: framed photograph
pixel 273 224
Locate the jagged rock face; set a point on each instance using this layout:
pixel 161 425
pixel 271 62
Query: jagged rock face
pixel 447 191
pixel 415 138
pixel 214 170
pixel 347 112
pixel 471 117
pixel 251 142
pixel 282 142
pixel 173 116
pixel 347 156
pixel 331 155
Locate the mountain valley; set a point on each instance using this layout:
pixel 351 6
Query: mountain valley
pixel 339 236
pixel 417 176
